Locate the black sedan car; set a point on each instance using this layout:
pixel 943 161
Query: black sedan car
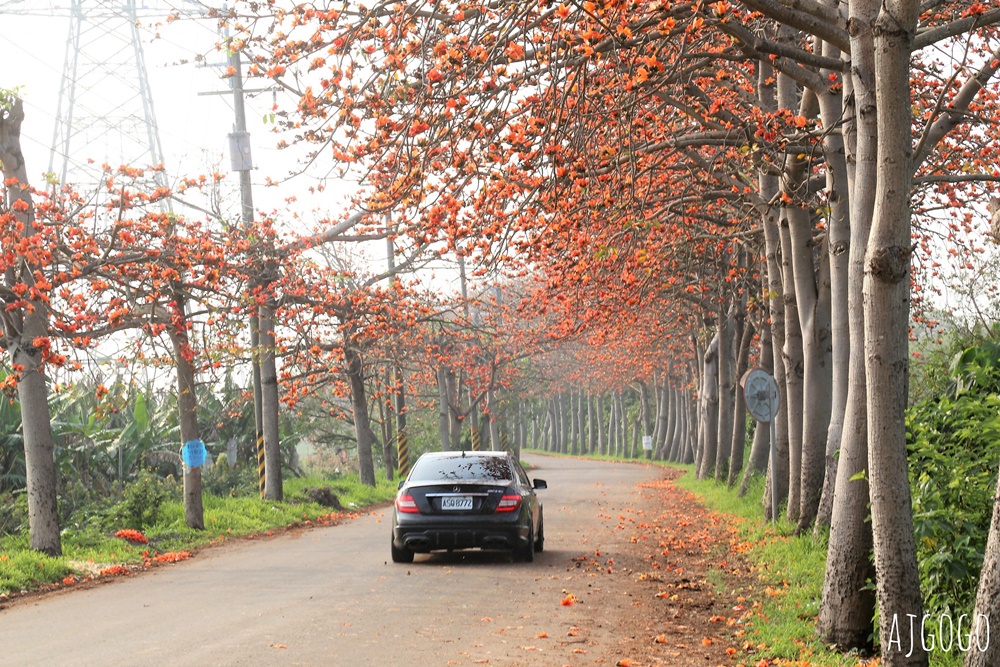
pixel 467 500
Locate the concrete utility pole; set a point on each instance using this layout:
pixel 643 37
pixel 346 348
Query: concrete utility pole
pixel 241 161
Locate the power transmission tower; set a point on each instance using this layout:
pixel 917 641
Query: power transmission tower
pixel 105 110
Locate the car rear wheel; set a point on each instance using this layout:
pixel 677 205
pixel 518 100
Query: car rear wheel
pixel 540 540
pixel 526 552
pixel 400 555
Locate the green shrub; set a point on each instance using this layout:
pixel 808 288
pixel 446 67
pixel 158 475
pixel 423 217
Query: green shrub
pixel 225 482
pixel 13 513
pixel 954 450
pixel 141 503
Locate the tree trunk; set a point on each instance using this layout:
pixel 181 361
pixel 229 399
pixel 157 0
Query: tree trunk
pixel 768 184
pixel 746 330
pixel 612 426
pixel 599 426
pixel 689 429
pixel 647 418
pixel 359 405
pixel 726 395
pixel 444 411
pixel 619 396
pixel 831 101
pixel 794 376
pixel 402 434
pixel 662 420
pixel 886 309
pixel 494 405
pixel 676 417
pixel 273 489
pixel 591 429
pixel 454 387
pixel 710 408
pixel 574 434
pixel 985 650
pixel 20 330
pixel 187 409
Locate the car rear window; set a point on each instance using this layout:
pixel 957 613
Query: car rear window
pixel 489 468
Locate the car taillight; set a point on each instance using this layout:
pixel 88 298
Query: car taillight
pixel 407 504
pixel 509 503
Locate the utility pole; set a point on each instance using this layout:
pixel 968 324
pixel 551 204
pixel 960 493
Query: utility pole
pixel 241 161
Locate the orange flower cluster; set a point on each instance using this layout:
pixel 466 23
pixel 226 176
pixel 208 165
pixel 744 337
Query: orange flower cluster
pixel 172 557
pixel 114 571
pixel 132 536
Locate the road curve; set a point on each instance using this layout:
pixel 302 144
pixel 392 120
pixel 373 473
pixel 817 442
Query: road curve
pixel 330 596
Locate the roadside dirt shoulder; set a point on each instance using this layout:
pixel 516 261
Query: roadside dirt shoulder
pixel 659 583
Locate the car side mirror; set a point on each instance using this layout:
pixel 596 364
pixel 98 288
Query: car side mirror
pixel 539 484
pixel 401 482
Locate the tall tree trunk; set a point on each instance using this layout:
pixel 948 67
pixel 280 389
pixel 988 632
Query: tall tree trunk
pixel 984 649
pixel 454 384
pixel 761 436
pixel 811 295
pixel 494 406
pixel 187 408
pixel 535 426
pixel 710 409
pixel 647 418
pixel 619 396
pixel 402 434
pixel 359 406
pixel 612 426
pixel 727 394
pixel 676 416
pixel 273 485
pixel 592 428
pixel 662 419
pixel 599 426
pixel 746 331
pixel 21 328
pixel 794 377
pixel 886 308
pixel 574 433
pixel 444 411
pixel 636 429
pixel 768 184
pixel 831 104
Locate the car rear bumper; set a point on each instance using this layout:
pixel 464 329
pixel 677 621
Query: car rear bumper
pixel 424 538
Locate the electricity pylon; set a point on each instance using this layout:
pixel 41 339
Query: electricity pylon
pixel 105 111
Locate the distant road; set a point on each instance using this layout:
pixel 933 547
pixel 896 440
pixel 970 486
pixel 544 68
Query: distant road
pixel 331 596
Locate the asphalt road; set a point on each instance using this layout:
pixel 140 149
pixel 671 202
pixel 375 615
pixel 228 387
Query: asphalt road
pixel 331 596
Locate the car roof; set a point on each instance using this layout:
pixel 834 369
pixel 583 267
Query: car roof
pixel 465 453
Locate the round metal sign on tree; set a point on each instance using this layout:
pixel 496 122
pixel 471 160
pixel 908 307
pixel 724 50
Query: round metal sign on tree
pixel 761 394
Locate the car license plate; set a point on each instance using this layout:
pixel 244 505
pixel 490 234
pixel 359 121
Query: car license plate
pixel 456 502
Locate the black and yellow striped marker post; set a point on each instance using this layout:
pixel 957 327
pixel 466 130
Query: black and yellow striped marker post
pixel 403 453
pixel 477 443
pixel 504 444
pixel 260 463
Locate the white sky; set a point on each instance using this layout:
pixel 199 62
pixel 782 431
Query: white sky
pixel 193 126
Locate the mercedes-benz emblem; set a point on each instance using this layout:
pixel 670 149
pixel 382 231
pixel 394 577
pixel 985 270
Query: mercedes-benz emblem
pixel 457 489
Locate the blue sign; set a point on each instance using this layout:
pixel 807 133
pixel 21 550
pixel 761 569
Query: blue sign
pixel 194 453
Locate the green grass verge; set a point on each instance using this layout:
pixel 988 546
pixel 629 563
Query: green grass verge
pixel 88 550
pixel 790 569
